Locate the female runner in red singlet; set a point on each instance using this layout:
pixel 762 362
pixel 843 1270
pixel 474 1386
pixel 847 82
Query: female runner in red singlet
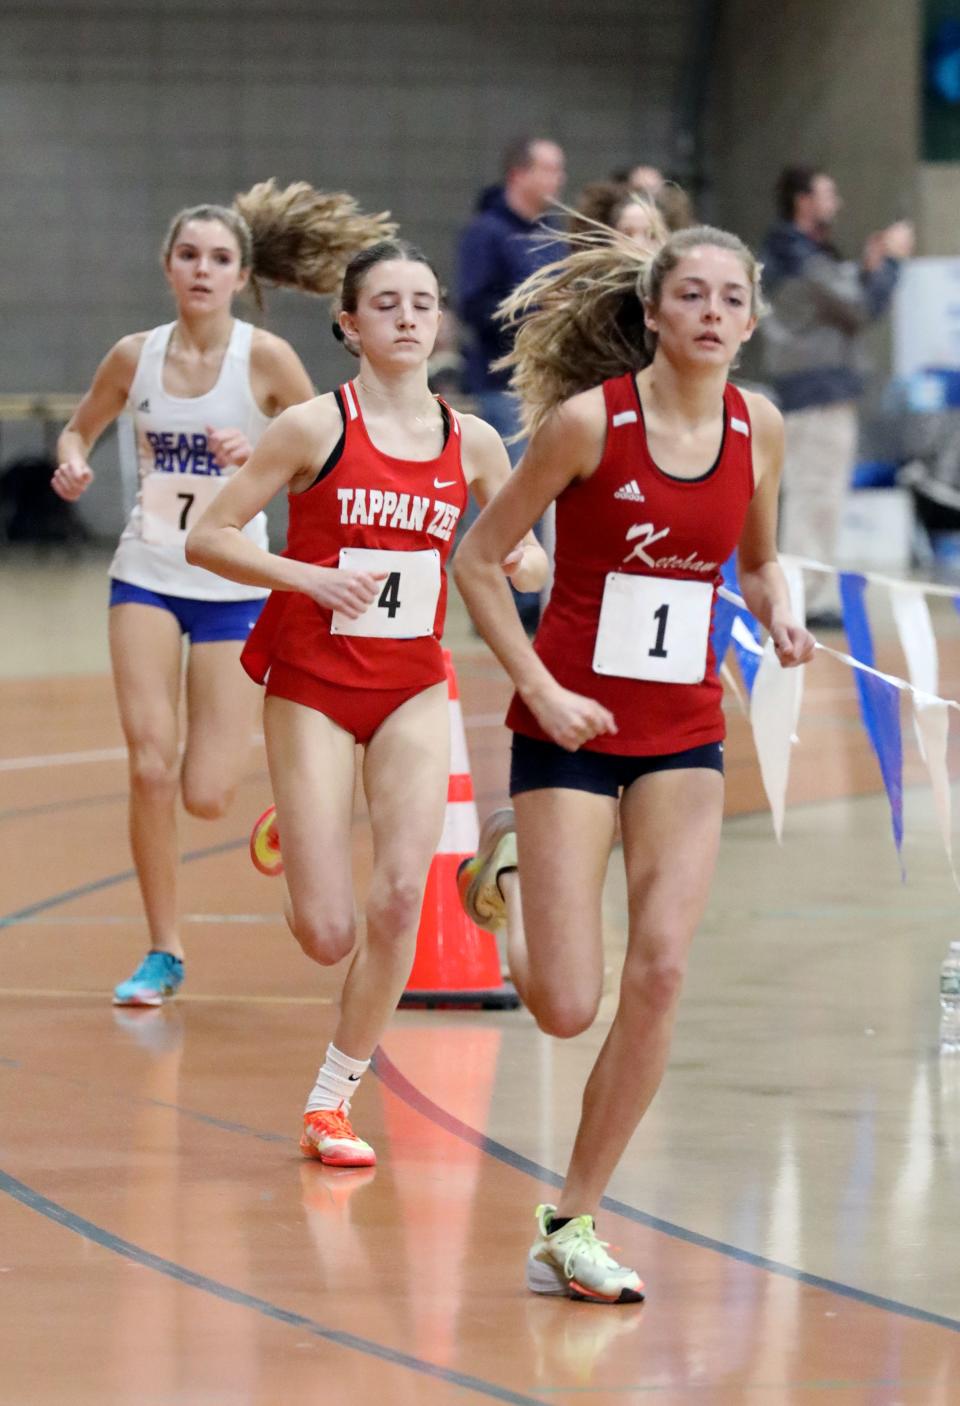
pixel 658 474
pixel 349 644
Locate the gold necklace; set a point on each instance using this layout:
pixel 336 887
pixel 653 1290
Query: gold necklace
pixel 428 421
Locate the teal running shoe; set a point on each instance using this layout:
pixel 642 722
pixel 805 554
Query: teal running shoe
pixel 158 976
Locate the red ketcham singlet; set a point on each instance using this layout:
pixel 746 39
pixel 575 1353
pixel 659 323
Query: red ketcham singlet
pixel 630 517
pixel 370 500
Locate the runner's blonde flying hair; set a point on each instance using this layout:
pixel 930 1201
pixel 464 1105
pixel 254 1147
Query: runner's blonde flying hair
pixel 580 320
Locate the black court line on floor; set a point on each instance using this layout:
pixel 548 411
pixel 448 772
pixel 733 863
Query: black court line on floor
pixel 69 1220
pixel 398 1083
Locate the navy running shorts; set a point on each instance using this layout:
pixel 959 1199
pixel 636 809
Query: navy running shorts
pixel 537 766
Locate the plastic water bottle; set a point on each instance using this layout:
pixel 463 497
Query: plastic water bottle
pixel 950 1001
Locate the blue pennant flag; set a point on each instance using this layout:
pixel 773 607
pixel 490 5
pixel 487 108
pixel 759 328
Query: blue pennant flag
pixel 723 617
pixel 879 700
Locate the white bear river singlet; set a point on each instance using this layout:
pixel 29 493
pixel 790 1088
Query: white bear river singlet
pixel 176 473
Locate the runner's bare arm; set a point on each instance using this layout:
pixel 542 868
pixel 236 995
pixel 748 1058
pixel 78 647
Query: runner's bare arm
pixel 101 405
pixel 487 469
pixel 278 377
pixel 762 581
pixel 278 380
pixel 568 446
pixel 288 456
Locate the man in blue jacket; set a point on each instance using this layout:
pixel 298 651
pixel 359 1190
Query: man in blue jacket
pixel 499 248
pixel 814 359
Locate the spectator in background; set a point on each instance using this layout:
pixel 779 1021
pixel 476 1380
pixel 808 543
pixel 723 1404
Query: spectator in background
pixel 675 206
pixel 813 359
pixel 645 180
pixel 630 212
pixel 671 199
pixel 500 247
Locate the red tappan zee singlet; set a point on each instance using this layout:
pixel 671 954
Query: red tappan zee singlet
pixel 372 512
pixel 638 558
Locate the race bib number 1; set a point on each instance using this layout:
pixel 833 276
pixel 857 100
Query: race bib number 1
pixel 406 605
pixel 172 503
pixel 653 628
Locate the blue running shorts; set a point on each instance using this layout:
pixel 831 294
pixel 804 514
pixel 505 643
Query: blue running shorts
pixel 205 621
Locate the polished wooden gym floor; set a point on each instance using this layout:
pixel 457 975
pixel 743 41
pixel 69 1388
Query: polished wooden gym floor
pixel 792 1199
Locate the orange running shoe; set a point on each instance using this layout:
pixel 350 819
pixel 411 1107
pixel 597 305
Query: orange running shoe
pixel 329 1137
pixel 265 844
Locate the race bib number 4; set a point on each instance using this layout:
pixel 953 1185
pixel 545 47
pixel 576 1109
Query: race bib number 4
pixel 406 605
pixel 653 628
pixel 172 503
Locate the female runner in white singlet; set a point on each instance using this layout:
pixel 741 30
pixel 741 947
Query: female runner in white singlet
pixel 200 390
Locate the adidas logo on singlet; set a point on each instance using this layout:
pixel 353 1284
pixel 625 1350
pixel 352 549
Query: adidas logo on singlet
pixel 144 406
pixel 630 491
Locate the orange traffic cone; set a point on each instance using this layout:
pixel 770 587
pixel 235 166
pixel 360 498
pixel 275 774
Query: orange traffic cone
pixel 457 963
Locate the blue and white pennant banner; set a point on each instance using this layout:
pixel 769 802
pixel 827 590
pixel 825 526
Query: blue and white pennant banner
pixel 776 693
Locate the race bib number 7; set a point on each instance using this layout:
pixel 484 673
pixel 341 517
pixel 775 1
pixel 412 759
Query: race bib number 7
pixel 405 606
pixel 172 503
pixel 653 628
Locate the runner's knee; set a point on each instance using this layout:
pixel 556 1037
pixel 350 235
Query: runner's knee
pixel 153 771
pixel 653 982
pixel 564 1014
pixel 393 906
pixel 326 937
pixel 205 799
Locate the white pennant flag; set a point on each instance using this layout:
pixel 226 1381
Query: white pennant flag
pixel 931 719
pixel 774 709
pixel 911 615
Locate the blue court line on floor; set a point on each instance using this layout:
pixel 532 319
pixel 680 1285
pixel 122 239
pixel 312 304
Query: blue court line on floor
pixel 408 1092
pixel 69 1220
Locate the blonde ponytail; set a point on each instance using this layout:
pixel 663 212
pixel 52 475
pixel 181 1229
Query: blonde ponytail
pixel 304 238
pixel 292 238
pixel 577 322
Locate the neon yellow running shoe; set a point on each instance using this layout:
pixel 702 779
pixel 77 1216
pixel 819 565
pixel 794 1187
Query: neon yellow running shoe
pixel 478 878
pixel 265 844
pixel 571 1261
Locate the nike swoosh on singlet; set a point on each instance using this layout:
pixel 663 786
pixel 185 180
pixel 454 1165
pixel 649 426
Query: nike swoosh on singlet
pixel 448 484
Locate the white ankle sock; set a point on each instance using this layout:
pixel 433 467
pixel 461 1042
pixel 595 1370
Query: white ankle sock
pixel 337 1081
